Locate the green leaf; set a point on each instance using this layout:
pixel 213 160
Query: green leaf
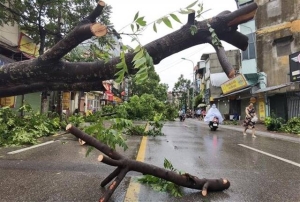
pixel 154 27
pixel 139 55
pixel 159 21
pixel 141 21
pixel 167 22
pixel 175 17
pixel 184 12
pixel 119 65
pixel 136 16
pixel 139 62
pixel 119 73
pixel 132 27
pixel 191 5
pixel 193 29
pixel 137 49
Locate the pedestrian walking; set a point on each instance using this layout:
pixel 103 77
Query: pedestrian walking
pixel 250 119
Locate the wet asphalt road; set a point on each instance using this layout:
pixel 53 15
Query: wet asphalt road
pixel 60 171
pixel 193 148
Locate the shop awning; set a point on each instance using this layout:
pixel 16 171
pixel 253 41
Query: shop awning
pixel 217 79
pixel 272 88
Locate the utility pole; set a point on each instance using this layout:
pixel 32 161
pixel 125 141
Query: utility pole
pixel 193 84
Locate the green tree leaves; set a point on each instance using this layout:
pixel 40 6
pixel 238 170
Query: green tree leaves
pixel 214 38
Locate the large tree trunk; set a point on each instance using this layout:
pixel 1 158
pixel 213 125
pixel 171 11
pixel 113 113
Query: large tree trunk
pixel 125 165
pixel 48 72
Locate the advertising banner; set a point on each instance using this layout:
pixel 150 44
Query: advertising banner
pixel 295 67
pixel 66 100
pixel 26 45
pixel 7 102
pixel 234 84
pixel 262 109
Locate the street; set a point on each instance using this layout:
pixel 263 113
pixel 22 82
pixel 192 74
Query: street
pixel 260 169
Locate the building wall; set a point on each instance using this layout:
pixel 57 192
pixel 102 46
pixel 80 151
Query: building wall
pixel 278 35
pixel 213 66
pixel 233 57
pixel 9 34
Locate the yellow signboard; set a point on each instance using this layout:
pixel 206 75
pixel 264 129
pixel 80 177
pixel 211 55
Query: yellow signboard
pixel 234 84
pixel 117 99
pixel 262 109
pixel 27 45
pixel 7 102
pixel 66 100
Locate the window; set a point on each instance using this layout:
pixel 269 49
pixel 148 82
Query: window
pixel 283 45
pixel 250 53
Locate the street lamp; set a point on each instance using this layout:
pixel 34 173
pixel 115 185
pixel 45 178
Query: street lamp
pixel 194 84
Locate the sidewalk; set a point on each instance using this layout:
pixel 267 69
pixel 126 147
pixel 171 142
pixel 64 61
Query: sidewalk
pixel 261 130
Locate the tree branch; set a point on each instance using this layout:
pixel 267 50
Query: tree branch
pixel 48 68
pixel 185 180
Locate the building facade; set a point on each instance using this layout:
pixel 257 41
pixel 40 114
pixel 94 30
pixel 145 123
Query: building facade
pixel 278 47
pixel 213 78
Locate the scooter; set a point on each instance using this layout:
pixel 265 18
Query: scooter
pixel 214 124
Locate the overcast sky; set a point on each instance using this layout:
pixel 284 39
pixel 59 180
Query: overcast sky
pixel 171 67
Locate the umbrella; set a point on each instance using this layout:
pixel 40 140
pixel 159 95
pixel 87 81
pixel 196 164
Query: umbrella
pixel 202 105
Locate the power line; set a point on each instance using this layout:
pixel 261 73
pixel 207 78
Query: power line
pixel 169 66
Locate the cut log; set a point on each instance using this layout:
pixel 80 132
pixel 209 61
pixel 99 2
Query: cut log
pixel 124 165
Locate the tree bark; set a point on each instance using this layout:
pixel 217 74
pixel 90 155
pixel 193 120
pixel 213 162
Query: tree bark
pixel 125 165
pixel 50 72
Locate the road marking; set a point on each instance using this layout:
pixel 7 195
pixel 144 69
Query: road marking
pixel 132 194
pixel 271 155
pixel 32 147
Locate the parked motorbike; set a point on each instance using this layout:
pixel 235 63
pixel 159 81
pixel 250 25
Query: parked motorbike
pixel 214 124
pixel 182 117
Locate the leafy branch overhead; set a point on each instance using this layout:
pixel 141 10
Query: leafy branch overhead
pixel 50 72
pixel 142 60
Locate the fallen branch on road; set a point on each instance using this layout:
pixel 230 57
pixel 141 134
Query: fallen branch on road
pixel 125 165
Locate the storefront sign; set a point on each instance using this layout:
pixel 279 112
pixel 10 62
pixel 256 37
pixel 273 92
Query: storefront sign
pixel 90 96
pixel 27 45
pixel 262 109
pixel 295 67
pixel 117 99
pixel 66 100
pixel 234 84
pixel 7 102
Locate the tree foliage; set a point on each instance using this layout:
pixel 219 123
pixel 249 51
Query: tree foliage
pixel 151 85
pixel 47 21
pixel 182 88
pixel 16 130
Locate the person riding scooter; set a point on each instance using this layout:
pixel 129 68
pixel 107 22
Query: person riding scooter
pixel 213 117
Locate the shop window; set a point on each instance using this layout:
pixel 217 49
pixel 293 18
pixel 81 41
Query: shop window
pixel 250 53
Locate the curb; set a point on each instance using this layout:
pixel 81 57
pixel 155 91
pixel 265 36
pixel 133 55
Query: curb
pixel 257 132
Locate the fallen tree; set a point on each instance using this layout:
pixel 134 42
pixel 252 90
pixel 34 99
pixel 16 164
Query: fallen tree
pixel 125 165
pixel 49 72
